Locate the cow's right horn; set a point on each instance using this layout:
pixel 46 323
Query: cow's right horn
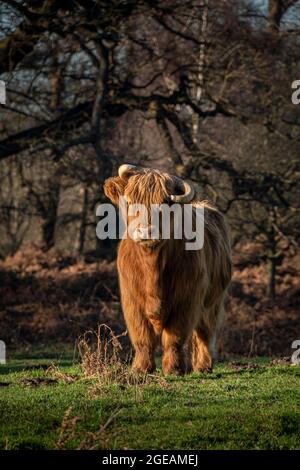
pixel 187 190
pixel 126 170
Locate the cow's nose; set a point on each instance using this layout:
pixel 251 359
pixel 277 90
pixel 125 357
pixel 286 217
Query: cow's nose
pixel 142 233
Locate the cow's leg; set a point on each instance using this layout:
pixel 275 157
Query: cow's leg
pixel 173 342
pixel 143 339
pixel 204 337
pixel 202 355
pixel 188 348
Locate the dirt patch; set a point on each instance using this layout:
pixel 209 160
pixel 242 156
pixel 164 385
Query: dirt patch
pixel 284 361
pixel 57 374
pixel 37 381
pixel 236 365
pixel 4 384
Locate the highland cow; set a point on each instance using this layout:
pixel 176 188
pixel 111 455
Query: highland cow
pixel 169 292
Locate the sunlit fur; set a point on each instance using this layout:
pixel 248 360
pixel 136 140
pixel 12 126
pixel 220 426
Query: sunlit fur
pixel 168 292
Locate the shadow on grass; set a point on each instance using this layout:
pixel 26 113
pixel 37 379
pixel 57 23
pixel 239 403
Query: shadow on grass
pixel 25 365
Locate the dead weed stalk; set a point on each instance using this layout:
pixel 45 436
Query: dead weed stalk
pixel 86 440
pixel 101 357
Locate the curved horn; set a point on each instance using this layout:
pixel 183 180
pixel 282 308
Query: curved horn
pixel 125 170
pixel 188 191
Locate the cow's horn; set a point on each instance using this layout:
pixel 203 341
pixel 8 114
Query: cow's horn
pixel 125 170
pixel 188 191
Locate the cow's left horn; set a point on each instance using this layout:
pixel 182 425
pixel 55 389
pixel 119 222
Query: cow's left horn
pixel 187 189
pixel 126 170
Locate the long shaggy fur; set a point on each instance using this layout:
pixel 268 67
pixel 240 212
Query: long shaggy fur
pixel 168 292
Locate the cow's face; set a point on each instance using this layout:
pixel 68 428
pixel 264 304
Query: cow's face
pixel 140 193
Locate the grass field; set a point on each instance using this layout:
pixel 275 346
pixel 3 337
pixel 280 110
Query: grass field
pixel 241 405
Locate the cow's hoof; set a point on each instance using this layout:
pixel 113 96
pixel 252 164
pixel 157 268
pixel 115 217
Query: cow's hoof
pixel 204 370
pixel 148 369
pixel 173 371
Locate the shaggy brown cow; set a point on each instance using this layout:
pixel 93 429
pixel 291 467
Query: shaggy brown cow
pixel 166 290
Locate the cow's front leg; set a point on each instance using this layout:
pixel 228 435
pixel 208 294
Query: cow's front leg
pixel 144 358
pixel 143 339
pixel 173 352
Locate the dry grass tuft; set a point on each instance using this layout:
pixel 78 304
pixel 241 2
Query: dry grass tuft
pixel 101 357
pixel 54 372
pixel 68 429
pixel 86 440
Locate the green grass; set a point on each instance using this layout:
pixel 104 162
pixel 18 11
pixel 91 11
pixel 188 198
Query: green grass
pixel 232 408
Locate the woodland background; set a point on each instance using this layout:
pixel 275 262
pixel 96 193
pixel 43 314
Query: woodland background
pixel 199 88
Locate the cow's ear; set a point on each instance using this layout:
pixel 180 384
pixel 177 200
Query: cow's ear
pixel 114 188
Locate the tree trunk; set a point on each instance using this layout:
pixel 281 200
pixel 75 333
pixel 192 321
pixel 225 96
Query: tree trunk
pixel 272 278
pixel 50 216
pixel 104 164
pixel 199 79
pixel 82 231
